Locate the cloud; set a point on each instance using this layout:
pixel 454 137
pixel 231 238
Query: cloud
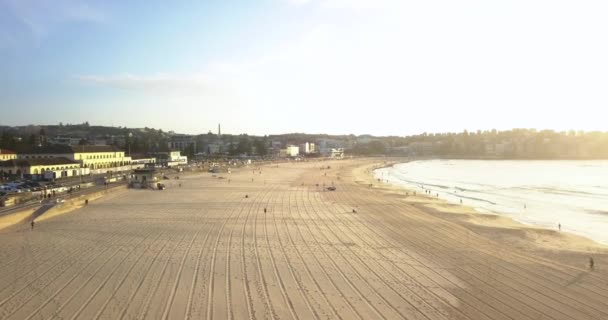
pixel 298 2
pixel 159 82
pixel 362 4
pixel 350 4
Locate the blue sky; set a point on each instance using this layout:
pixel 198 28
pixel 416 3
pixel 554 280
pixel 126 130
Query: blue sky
pixel 334 66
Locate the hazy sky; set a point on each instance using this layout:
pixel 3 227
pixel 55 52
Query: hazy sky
pixel 335 66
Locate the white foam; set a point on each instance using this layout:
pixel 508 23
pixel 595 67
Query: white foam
pixel 542 193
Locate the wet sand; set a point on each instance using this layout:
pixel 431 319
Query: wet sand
pixel 205 251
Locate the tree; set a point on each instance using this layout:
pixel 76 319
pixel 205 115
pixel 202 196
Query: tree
pixel 244 146
pixel 9 140
pixel 189 151
pixel 261 147
pixel 32 140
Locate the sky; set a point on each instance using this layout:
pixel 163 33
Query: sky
pixel 381 67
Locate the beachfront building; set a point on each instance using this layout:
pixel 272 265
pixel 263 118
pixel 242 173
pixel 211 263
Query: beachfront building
pixel 290 151
pixel 141 161
pixel 276 147
pixel 307 148
pixel 148 175
pixel 326 146
pixel 101 157
pixel 293 151
pixel 6 154
pixel 92 157
pixel 213 148
pixel 336 153
pixel 41 168
pixel 65 140
pixel 170 159
pixel 181 142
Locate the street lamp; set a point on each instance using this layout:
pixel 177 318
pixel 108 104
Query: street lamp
pixel 130 160
pixel 130 136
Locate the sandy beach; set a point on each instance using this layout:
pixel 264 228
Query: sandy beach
pixel 206 251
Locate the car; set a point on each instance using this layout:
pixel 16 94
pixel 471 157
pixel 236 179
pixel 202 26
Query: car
pixel 331 188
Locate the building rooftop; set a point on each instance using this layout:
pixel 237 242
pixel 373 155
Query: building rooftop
pixel 6 151
pixel 66 149
pixel 36 162
pixel 137 156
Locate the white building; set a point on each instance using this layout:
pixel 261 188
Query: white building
pixel 141 161
pixel 171 158
pixel 290 151
pixel 336 153
pixel 293 151
pixel 68 141
pixel 39 168
pixel 93 157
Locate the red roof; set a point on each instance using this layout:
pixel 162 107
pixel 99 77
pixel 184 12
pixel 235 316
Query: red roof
pixel 6 151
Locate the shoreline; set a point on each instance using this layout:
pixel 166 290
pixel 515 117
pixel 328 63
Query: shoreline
pixel 545 238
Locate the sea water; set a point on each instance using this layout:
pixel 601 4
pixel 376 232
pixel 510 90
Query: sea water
pixel 542 193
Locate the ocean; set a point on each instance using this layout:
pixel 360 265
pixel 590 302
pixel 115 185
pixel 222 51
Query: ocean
pixel 541 193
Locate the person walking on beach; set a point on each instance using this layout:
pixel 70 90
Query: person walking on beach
pixel 591 263
pixel 32 224
pixel 559 226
